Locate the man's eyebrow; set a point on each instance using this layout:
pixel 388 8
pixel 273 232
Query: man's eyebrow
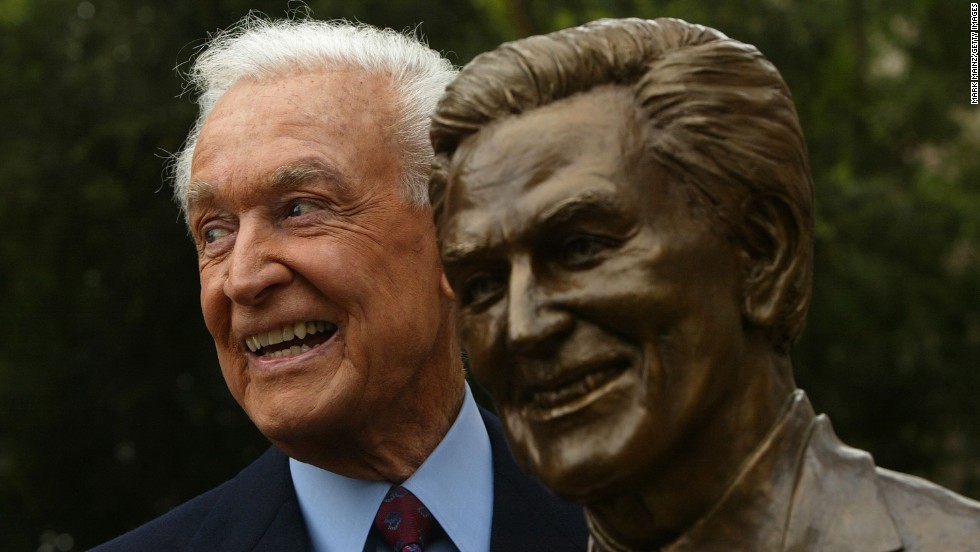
pixel 199 193
pixel 289 177
pixel 285 179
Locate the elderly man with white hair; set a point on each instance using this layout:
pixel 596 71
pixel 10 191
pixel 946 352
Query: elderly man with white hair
pixel 303 183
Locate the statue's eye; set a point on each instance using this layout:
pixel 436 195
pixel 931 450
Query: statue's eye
pixel 481 289
pixel 583 250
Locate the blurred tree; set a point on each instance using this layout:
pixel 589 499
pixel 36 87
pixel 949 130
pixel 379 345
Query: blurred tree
pixel 112 408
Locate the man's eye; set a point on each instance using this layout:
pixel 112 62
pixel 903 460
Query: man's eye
pixel 212 235
pixel 583 250
pixel 481 288
pixel 301 207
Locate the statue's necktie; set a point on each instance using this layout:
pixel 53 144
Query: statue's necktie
pixel 404 522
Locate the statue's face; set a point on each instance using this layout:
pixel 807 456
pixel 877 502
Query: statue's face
pixel 600 312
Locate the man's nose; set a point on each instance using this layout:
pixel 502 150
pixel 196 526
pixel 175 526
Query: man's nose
pixel 536 323
pixel 255 266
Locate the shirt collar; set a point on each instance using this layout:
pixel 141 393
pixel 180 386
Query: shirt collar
pixel 339 510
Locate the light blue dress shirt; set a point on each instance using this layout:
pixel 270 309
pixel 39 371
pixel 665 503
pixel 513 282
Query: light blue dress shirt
pixel 455 483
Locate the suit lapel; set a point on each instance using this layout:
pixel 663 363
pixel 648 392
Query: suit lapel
pixel 526 515
pixel 257 512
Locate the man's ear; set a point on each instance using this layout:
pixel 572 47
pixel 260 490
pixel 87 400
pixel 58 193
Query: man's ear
pixel 771 257
pixel 446 288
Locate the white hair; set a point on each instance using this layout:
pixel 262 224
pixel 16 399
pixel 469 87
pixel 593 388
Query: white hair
pixel 260 49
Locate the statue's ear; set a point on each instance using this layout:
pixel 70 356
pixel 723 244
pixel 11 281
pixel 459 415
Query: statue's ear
pixel 771 256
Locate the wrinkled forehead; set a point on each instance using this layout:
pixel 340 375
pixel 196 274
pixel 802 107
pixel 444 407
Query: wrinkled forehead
pixel 351 99
pixel 277 132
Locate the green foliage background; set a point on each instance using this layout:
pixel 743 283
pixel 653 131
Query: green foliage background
pixel 112 408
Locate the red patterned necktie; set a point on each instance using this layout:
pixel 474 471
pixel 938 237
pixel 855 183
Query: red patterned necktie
pixel 404 522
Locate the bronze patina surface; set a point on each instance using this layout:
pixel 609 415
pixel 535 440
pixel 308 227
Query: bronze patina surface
pixel 625 214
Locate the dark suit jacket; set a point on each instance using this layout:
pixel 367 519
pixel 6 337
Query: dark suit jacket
pixel 257 511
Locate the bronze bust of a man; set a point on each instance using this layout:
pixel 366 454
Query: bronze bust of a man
pixel 625 213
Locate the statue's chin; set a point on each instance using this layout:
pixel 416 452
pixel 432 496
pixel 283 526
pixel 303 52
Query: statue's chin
pixel 574 473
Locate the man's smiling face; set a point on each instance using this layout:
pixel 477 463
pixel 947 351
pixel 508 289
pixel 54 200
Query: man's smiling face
pixel 320 286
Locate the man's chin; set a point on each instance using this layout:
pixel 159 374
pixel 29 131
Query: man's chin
pixel 301 446
pixel 285 428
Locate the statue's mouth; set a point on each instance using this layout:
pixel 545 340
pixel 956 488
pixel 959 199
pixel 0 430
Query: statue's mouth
pixel 574 388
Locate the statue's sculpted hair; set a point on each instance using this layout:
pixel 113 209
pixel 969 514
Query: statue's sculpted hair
pixel 720 121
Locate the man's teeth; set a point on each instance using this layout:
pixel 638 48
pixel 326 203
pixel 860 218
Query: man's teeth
pixel 298 330
pixel 294 350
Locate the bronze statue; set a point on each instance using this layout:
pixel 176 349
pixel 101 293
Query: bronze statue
pixel 625 214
